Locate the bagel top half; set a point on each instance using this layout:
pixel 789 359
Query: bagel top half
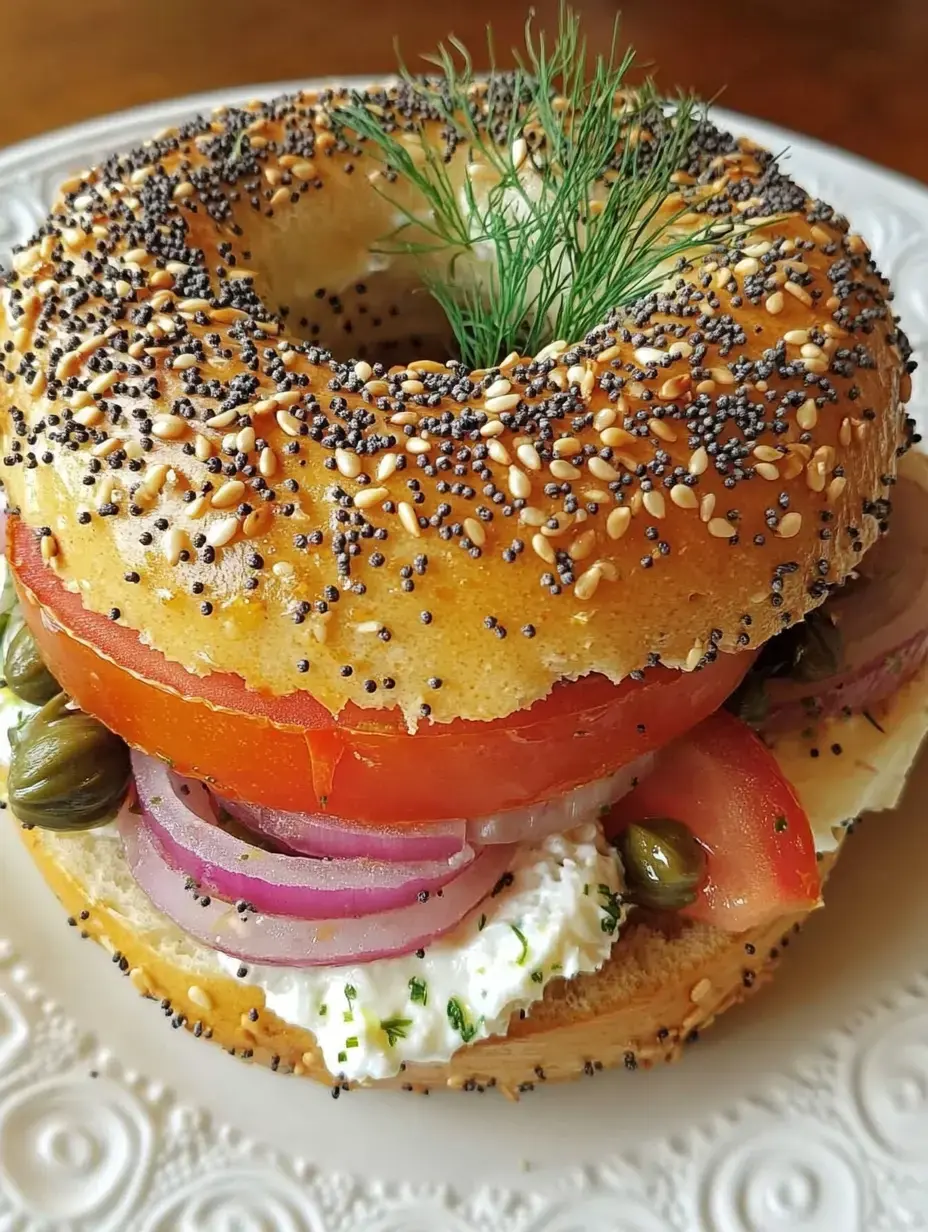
pixel 689 477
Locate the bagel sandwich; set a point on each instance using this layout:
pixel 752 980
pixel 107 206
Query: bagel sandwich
pixel 466 569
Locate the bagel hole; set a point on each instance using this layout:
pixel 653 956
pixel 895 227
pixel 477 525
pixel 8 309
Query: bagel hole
pixel 327 275
pixel 382 317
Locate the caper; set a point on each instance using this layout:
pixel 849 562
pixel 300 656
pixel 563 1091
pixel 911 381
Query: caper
pixel 664 864
pixel 25 671
pixel 67 771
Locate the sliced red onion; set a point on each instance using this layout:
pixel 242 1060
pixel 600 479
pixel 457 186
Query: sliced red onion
pixel 320 835
pixel 288 941
pixel 182 818
pixel 556 816
pixel 317 834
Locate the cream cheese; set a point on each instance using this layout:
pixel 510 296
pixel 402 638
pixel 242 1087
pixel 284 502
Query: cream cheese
pixel 559 917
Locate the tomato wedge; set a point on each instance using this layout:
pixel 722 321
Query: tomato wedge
pixel 291 753
pixel 725 785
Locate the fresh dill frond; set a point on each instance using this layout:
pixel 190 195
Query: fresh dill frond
pixel 560 216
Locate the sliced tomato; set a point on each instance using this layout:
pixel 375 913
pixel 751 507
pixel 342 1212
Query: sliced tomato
pixel 722 782
pixel 291 753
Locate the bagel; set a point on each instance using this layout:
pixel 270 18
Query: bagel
pixel 267 529
pixel 148 360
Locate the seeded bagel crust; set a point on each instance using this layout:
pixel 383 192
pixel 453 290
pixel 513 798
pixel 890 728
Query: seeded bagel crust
pixel 687 478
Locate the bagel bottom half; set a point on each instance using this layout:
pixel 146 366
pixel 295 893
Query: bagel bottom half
pixel 666 979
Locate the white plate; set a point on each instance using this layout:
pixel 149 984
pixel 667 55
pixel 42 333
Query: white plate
pixel 806 1110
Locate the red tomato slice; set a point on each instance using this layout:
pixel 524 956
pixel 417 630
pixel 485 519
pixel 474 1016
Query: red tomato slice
pixel 291 753
pixel 724 784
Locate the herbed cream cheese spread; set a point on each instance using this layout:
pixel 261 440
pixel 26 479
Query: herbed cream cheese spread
pixel 558 916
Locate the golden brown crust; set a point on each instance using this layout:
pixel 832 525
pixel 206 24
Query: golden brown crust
pixel 178 443
pixel 665 981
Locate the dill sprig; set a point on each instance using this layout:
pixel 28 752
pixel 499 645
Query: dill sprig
pixel 559 218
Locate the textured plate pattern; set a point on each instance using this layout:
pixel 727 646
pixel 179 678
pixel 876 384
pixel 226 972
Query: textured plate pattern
pixel 807 1112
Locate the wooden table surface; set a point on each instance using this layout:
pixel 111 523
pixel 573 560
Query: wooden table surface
pixel 848 72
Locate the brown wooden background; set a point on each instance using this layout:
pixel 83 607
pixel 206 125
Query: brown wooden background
pixel 852 72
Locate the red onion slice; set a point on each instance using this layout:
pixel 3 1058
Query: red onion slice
pixel 537 821
pixel 317 834
pixel 320 835
pixel 286 941
pixel 185 828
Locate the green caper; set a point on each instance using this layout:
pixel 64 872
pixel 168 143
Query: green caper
pixel 664 863
pixel 25 671
pixel 67 771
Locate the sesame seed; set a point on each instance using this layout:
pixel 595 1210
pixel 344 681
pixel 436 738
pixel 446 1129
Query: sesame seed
pixel 498 389
pixel 287 422
pixel 671 389
pixel 407 516
pixel 721 529
pixel 173 543
pixel 683 496
pixel 349 464
pixel 89 417
pixel 221 531
pixel 168 427
pixel 200 997
pixel 543 548
pixel 495 427
pixel 774 303
pixel 835 488
pixel 475 532
pixel 790 525
pixel 799 293
pixel 519 483
pixel 228 494
pixel 528 456
pixel 497 406
pixel 368 497
pixel 654 503
pixel 386 466
pixel 807 415
pixel 707 507
pixel 618 522
pixel 619 438
pixel 583 545
pixel 699 461
pixel 600 469
pixel 815 476
pixel 222 420
pixel 587 583
pixel 567 446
